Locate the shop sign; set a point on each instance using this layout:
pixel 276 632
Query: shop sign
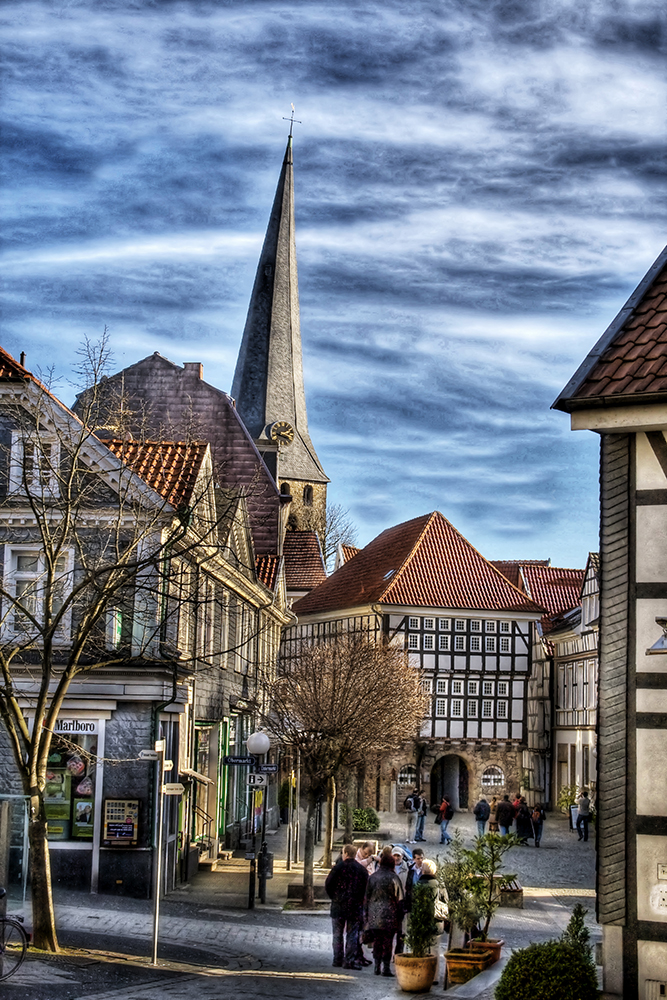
pixel 76 727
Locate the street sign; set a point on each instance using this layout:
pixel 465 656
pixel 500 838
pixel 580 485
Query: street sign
pixel 239 761
pixel 267 769
pixel 250 856
pixel 148 755
pixel 174 788
pixel 168 765
pixel 257 780
pixel 160 746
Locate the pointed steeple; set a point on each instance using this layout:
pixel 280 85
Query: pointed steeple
pixel 268 381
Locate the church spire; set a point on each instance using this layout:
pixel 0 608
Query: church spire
pixel 268 381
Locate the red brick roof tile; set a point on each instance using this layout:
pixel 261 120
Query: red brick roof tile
pixel 9 368
pixel 169 467
pixel 304 565
pixel 267 570
pixel 511 568
pixel 349 552
pixel 556 589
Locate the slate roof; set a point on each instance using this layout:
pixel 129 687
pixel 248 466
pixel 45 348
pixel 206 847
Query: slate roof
pixel 629 362
pixel 267 570
pixel 304 565
pixel 424 562
pixel 169 467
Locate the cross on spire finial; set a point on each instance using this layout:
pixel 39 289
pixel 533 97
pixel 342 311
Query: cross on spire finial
pixel 291 121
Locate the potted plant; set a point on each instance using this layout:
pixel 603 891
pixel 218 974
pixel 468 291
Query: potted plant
pixel 487 882
pixel 454 876
pixel 415 970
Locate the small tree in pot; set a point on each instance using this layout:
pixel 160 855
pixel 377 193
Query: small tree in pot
pixel 487 881
pixel 415 971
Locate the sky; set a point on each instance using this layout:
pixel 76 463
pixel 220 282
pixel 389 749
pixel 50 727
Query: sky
pixel 479 187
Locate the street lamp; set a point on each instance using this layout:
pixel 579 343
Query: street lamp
pixel 258 744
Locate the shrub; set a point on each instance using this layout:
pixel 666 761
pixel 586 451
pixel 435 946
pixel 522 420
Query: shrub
pixel 551 970
pixel 362 819
pixel 422 928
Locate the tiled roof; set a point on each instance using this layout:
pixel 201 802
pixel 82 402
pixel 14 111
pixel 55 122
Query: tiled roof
pixel 425 562
pixel 169 467
pixel 630 360
pixel 511 567
pixel 267 570
pixel 554 588
pixel 9 368
pixel 349 552
pixel 304 565
pixel 594 560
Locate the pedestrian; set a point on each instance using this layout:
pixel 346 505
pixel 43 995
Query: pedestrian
pixel 422 810
pixel 445 814
pixel 493 822
pixel 410 806
pixel 414 871
pixel 505 815
pixel 583 815
pixel 481 812
pixel 430 882
pixel 401 870
pixel 346 888
pixel 366 857
pixel 538 817
pixel 524 825
pixel 383 912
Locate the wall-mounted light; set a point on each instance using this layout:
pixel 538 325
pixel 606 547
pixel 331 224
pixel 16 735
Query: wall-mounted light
pixel 661 645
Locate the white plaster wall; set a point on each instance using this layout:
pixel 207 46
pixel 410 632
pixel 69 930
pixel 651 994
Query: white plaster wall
pixel 651 559
pixel 651 891
pixel 652 964
pixel 651 700
pixel 648 633
pixel 649 474
pixel 652 773
pixel 612 959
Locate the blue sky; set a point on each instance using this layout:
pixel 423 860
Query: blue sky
pixel 479 187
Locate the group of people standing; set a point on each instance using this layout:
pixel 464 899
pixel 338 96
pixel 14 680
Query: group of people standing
pixel 371 898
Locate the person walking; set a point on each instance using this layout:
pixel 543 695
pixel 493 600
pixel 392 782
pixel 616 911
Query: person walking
pixel 583 815
pixel 493 822
pixel 505 815
pixel 538 817
pixel 445 814
pixel 410 806
pixel 422 810
pixel 481 812
pixel 366 857
pixel 383 912
pixel 524 826
pixel 346 888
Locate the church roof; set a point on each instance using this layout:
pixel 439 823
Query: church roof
pixel 424 562
pixel 171 468
pixel 629 362
pixel 304 565
pixel 268 381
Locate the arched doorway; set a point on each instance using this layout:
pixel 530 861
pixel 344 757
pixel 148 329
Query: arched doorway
pixel 449 777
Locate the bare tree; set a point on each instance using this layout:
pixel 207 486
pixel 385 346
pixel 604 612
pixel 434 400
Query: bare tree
pixel 340 703
pixel 337 529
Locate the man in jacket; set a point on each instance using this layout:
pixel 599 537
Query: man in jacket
pixel 505 815
pixel 583 815
pixel 422 810
pixel 346 887
pixel 481 813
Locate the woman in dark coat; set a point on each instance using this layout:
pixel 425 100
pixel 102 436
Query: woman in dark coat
pixel 383 912
pixel 524 825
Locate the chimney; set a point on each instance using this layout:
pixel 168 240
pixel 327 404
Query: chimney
pixel 22 359
pixel 194 368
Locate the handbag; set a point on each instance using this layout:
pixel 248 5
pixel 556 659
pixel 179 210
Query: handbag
pixel 437 820
pixel 441 910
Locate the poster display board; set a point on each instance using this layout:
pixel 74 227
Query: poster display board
pixel 69 794
pixel 121 823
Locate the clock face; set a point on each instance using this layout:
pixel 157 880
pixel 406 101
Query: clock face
pixel 282 432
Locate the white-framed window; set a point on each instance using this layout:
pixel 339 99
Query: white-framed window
pixel 490 626
pixel 26 580
pixel 457 687
pixel 501 709
pixel 493 777
pixel 444 642
pixel 427 685
pixel 457 708
pixel 473 688
pixel 441 706
pixel 505 644
pixel 429 623
pixel 490 644
pixel 487 709
pixel 472 709
pixel 475 643
pixel 475 626
pixel 429 642
pixel 442 686
pixel 35 456
pixel 505 626
pixel 413 622
pixel 503 689
pixel 487 688
pixel 444 624
pixel 460 625
pixel 459 642
pixel 413 641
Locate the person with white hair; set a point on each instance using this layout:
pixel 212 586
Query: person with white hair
pixel 428 881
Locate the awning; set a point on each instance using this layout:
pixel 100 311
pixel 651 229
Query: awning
pixel 196 775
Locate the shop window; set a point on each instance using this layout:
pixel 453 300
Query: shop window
pixel 69 793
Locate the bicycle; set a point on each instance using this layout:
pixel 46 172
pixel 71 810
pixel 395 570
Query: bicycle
pixel 13 944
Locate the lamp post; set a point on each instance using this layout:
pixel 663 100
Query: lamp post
pixel 258 745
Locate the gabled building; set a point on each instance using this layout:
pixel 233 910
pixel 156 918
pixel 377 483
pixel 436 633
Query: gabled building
pixel 466 628
pixel 620 393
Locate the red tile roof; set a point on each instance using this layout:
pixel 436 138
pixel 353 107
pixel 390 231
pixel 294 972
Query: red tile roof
pixel 349 552
pixel 511 567
pixel 9 368
pixel 304 565
pixel 630 359
pixel 554 588
pixel 425 562
pixel 169 467
pixel 267 570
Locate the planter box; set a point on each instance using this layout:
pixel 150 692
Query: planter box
pixel 463 964
pixel 493 947
pixel 415 975
pixel 512 895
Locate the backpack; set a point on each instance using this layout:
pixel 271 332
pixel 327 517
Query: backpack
pixel 409 804
pixel 449 812
pixel 537 815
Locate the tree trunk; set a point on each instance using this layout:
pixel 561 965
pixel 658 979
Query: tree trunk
pixel 43 916
pixel 329 830
pixel 350 798
pixel 308 898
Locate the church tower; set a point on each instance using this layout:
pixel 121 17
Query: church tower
pixel 268 381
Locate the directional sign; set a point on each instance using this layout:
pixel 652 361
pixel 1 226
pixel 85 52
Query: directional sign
pixel 267 769
pixel 168 765
pixel 161 745
pixel 175 788
pixel 257 780
pixel 239 761
pixel 148 755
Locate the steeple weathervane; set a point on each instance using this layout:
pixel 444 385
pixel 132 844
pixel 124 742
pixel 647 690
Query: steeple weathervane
pixel 291 121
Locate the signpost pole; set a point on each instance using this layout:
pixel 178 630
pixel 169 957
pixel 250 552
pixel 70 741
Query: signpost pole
pixel 157 887
pixel 253 860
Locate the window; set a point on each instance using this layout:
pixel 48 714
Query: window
pixel 69 793
pixel 442 686
pixel 429 642
pixel 308 496
pixel 444 624
pixel 505 645
pixel 586 765
pixel 413 641
pixel 460 625
pixel 28 584
pixel 505 626
pixel 487 687
pixel 475 626
pixel 427 686
pixel 285 490
pixel 413 622
pixel 473 687
pixel 475 644
pixel 429 623
pixel 490 644
pixel 501 709
pixel 487 709
pixel 503 689
pixel 35 463
pixel 407 775
pixel 457 687
pixel 460 642
pixel 472 709
pixel 490 626
pixel 443 642
pixel 457 708
pixel 441 706
pixel 493 777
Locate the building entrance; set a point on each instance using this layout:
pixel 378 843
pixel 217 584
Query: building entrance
pixel 449 778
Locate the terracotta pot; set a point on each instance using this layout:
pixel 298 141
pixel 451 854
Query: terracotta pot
pixel 493 946
pixel 415 975
pixel 463 964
